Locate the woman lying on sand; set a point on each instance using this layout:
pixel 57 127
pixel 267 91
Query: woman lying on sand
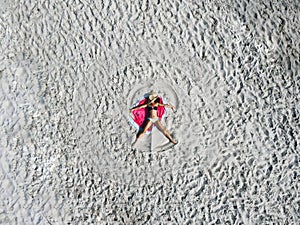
pixel 151 105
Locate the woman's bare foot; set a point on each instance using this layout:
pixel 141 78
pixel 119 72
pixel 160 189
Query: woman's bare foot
pixel 174 142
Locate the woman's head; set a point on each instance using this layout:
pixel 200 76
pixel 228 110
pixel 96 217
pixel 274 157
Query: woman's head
pixel 155 100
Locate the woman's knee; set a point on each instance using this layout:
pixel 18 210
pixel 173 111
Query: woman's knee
pixel 143 132
pixel 140 133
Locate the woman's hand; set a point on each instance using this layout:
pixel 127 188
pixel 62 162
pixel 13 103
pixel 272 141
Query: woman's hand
pixel 131 110
pixel 171 106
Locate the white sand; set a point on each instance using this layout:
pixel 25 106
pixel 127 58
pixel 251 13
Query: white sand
pixel 70 71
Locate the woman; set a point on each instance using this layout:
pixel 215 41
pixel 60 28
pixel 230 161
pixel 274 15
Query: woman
pixel 152 105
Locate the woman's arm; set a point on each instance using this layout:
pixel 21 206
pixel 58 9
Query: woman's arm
pixel 138 107
pixel 167 105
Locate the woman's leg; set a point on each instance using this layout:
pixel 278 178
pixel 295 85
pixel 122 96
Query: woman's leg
pixel 141 133
pixel 165 132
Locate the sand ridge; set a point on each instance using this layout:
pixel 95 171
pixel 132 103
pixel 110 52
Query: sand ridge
pixel 69 72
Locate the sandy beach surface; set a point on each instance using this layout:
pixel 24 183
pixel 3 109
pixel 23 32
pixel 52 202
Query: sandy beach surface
pixel 70 70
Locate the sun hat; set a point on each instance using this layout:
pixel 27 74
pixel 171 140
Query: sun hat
pixel 152 95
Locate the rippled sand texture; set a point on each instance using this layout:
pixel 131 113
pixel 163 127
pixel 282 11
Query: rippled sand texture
pixel 70 71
